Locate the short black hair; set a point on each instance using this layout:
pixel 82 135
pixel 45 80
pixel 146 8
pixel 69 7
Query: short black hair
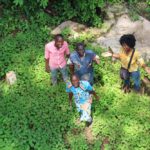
pixel 128 39
pixel 80 44
pixel 58 36
pixel 75 75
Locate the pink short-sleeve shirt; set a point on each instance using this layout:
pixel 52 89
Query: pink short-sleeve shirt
pixel 56 56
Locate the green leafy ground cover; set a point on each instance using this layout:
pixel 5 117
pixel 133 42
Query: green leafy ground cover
pixel 35 116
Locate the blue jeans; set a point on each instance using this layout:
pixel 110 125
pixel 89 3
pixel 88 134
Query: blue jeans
pixel 135 76
pixel 63 72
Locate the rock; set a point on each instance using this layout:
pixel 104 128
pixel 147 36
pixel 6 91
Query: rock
pixel 110 15
pixel 96 32
pixel 11 77
pixel 107 25
pixel 77 29
pixel 73 26
pixel 124 25
pixel 117 9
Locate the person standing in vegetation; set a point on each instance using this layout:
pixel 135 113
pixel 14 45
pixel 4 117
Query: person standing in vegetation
pixel 55 53
pixel 131 60
pixel 81 90
pixel 81 61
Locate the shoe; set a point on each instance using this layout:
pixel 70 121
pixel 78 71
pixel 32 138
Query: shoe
pixel 89 123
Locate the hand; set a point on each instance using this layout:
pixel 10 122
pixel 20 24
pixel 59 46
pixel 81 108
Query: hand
pixel 47 69
pixel 90 101
pixel 69 85
pixel 97 61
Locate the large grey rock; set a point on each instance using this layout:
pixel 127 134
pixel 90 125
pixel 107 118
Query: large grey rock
pixel 73 26
pixel 77 29
pixel 115 10
pixel 124 25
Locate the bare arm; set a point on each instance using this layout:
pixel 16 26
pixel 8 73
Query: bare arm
pixel 67 51
pixel 95 95
pixel 71 67
pixel 70 100
pixel 47 69
pixel 114 55
pixel 96 59
pixel 117 56
pixel 47 57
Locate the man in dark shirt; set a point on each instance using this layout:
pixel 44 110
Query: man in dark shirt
pixel 81 61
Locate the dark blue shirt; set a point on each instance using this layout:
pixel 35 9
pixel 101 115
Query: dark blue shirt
pixel 83 65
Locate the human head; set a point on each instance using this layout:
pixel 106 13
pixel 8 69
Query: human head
pixel 127 41
pixel 80 49
pixel 75 80
pixel 59 40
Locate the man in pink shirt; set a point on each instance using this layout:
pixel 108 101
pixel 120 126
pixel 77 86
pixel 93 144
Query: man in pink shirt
pixel 55 53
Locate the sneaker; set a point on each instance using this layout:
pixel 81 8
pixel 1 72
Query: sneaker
pixel 89 123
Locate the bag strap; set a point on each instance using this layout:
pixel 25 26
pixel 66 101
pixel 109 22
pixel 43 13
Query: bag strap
pixel 129 64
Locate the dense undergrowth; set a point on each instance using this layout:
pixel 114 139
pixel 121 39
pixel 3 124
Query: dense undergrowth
pixel 35 116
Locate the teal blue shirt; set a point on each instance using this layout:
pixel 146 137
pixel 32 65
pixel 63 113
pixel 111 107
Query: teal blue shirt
pixel 81 94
